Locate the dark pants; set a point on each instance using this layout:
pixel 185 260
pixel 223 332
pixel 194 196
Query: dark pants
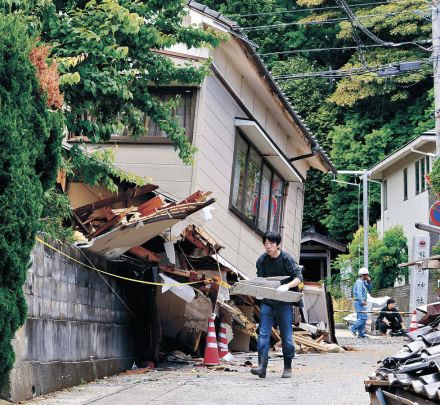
pixel 283 315
pixel 394 326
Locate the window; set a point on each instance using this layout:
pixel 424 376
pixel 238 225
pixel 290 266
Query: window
pixel 257 191
pixel 422 167
pixel 385 194
pixel 417 174
pixel 405 184
pixel 184 111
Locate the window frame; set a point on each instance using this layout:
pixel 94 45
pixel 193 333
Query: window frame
pixel 240 213
pixel 385 195
pixel 160 140
pixel 417 176
pixel 405 184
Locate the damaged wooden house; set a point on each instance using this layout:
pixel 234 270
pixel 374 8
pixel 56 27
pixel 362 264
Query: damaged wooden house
pixel 153 262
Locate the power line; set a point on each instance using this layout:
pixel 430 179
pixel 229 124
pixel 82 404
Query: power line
pixel 338 74
pixel 328 21
pixel 354 21
pixel 427 41
pixel 316 9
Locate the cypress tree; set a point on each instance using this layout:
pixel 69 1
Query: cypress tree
pixel 29 156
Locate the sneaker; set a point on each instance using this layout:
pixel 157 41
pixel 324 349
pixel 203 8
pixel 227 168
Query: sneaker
pixel 363 337
pixel 352 331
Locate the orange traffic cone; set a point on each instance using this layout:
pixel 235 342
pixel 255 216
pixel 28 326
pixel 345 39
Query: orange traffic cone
pixel 223 351
pixel 211 348
pixel 413 325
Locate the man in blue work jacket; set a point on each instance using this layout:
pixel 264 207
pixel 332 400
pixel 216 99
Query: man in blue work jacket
pixel 360 289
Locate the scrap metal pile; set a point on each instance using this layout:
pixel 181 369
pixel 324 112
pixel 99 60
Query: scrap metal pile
pixel 413 374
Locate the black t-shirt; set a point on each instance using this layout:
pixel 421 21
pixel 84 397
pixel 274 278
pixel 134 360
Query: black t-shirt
pixel 274 267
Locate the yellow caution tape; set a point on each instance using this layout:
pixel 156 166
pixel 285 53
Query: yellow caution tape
pixel 224 284
pixel 115 275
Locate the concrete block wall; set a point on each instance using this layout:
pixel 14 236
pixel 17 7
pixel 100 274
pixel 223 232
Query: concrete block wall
pixel 77 329
pixel 401 293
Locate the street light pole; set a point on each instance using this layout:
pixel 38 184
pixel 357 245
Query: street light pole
pixel 364 173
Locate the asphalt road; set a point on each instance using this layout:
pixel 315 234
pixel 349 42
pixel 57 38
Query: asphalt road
pixel 317 379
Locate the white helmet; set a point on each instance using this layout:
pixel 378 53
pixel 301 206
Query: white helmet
pixel 362 271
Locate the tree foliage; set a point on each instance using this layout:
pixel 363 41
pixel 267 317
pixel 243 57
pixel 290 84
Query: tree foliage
pixel 384 255
pixel 360 118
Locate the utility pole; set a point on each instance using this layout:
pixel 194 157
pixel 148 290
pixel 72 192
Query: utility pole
pixel 364 173
pixel 436 60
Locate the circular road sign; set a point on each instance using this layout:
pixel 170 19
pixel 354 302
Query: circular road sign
pixel 434 213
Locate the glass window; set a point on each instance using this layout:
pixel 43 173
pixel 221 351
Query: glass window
pixel 264 199
pixel 184 111
pixel 385 195
pixel 241 149
pixel 253 177
pixel 405 183
pixel 428 164
pixel 276 204
pixel 422 173
pixel 417 174
pixel 257 191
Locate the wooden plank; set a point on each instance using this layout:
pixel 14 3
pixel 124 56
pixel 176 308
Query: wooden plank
pixel 106 202
pixel 198 196
pixel 380 383
pixel 145 254
pixel 80 223
pixel 151 206
pixel 116 219
pixel 310 343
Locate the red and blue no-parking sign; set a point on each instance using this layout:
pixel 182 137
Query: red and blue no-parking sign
pixel 434 213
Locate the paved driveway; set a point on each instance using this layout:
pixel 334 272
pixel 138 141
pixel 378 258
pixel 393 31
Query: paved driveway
pixel 317 379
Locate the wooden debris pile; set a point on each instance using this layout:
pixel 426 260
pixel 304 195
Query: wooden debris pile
pixel 133 206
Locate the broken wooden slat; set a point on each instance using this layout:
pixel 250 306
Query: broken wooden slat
pixel 151 206
pixel 145 254
pixel 310 343
pixel 80 223
pixel 198 196
pixel 116 219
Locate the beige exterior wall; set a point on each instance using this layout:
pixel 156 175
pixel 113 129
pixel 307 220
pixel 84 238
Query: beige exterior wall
pixel 405 212
pixel 215 139
pixel 214 136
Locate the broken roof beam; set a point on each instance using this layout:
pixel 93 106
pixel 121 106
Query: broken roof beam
pixel 146 254
pixel 136 192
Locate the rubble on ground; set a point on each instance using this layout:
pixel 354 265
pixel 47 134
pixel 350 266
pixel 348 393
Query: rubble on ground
pixel 413 373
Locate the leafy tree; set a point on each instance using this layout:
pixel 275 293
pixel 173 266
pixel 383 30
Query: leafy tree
pixel 30 140
pixel 109 54
pixel 384 255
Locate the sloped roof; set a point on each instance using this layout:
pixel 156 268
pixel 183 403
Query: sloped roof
pixel 402 152
pixel 312 235
pixel 233 28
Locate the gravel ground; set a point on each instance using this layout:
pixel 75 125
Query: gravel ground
pixel 317 379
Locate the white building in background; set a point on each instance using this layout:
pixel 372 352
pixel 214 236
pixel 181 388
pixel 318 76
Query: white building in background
pixel 405 197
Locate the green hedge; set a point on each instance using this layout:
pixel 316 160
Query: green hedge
pixel 29 156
